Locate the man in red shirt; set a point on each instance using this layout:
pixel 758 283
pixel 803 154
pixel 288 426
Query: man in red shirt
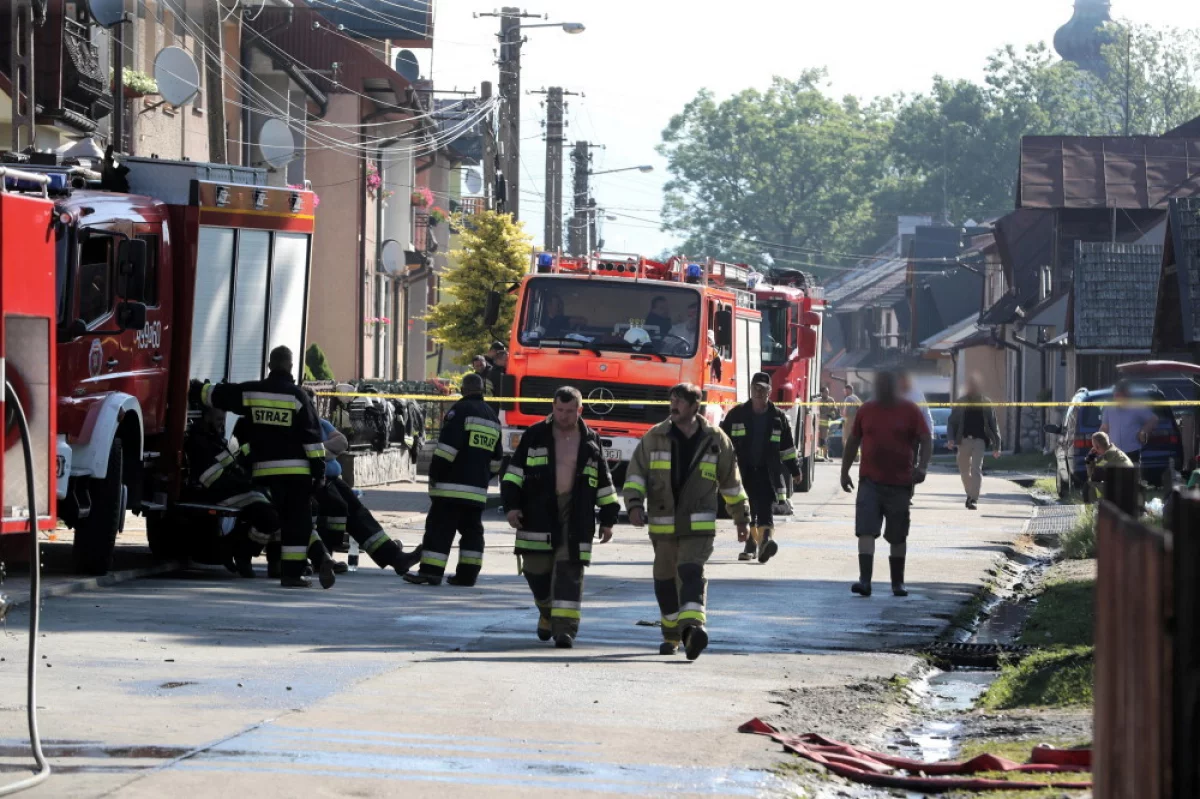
pixel 887 428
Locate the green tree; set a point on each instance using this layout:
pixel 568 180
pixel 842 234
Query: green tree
pixel 778 175
pixel 316 365
pixel 495 251
pixel 1151 84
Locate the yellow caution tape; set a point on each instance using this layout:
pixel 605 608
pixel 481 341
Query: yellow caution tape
pixel 1068 403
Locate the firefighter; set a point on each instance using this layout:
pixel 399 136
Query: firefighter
pixel 216 477
pixel 286 454
pixel 468 455
pixel 827 411
pixel 555 481
pixel 762 439
pixel 339 512
pixel 673 480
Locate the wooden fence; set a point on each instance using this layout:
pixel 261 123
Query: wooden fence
pixel 1147 681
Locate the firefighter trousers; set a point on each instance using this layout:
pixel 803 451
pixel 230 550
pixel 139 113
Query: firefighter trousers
pixel 340 512
pixel 762 492
pixel 557 584
pixel 292 495
pixel 679 583
pixel 445 518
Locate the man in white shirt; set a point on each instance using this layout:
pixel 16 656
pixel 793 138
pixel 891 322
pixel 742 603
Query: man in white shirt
pixel 910 392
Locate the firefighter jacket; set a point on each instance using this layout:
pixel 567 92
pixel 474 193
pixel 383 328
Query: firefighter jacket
pixel 713 471
pixel 468 453
pixel 529 486
pixel 284 433
pixel 777 447
pixel 215 473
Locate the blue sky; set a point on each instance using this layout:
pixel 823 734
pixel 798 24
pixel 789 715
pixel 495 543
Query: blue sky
pixel 639 62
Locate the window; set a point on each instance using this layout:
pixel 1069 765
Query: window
pixel 151 297
pixel 95 279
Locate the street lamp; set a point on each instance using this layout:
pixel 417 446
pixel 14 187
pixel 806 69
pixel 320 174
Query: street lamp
pixel 644 169
pixel 568 27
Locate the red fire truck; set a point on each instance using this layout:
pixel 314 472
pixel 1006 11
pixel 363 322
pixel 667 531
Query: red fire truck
pixel 623 330
pixel 792 308
pixel 187 270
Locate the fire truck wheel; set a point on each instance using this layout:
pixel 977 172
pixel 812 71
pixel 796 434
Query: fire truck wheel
pixel 807 466
pixel 96 536
pixel 167 536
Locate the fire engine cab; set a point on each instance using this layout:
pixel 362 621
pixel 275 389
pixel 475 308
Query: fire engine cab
pixel 624 330
pixel 164 271
pixel 792 308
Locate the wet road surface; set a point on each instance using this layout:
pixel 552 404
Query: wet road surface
pixel 200 684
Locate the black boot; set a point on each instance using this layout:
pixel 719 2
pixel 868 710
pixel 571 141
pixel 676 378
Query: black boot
pixel 897 566
pixel 274 559
pixel 406 560
pixel 295 582
pixel 866 565
pixel 769 547
pixel 750 551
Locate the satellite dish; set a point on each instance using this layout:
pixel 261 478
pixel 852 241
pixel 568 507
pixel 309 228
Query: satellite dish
pixel 474 182
pixel 177 76
pixel 391 257
pixel 276 143
pixel 107 12
pixel 408 66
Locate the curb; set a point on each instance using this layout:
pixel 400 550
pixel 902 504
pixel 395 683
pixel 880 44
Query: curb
pixel 110 579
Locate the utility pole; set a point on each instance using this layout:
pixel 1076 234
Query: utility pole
pixel 554 167
pixel 577 239
pixel 489 149
pixel 21 70
pixel 214 54
pixel 593 243
pixel 510 105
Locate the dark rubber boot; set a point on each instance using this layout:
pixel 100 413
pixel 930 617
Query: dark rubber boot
pixel 769 547
pixel 564 641
pixel 464 582
pixel 695 642
pixel 422 579
pixel 325 574
pixel 668 648
pixel 406 560
pixel 897 567
pixel 750 551
pixel 866 565
pixel 274 559
pixel 295 582
pixel 544 632
pixel 339 567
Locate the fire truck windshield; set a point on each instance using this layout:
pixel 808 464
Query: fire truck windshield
pixel 774 333
pixel 611 315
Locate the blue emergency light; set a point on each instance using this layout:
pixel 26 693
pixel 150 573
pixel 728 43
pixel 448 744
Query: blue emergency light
pixel 693 273
pixel 545 261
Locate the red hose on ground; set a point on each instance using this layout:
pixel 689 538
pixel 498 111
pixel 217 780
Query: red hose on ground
pixel 880 770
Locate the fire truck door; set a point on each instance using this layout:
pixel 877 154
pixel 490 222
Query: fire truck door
pixel 148 346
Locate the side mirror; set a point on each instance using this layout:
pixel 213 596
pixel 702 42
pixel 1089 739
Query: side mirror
pixel 724 329
pixel 491 311
pixel 1052 429
pixel 131 266
pixel 131 315
pixel 73 331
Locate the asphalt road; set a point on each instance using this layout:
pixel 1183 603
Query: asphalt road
pixel 200 684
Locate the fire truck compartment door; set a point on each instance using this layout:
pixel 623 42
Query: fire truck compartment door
pixel 289 279
pixel 210 319
pixel 247 357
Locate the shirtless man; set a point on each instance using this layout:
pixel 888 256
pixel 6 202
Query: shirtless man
pixel 555 527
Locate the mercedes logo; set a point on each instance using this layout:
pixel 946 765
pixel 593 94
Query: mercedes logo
pixel 600 401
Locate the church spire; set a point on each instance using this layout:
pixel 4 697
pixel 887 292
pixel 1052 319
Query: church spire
pixel 1082 39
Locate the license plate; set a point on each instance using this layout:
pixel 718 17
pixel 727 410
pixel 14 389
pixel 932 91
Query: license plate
pixel 612 454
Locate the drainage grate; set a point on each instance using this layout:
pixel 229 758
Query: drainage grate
pixel 975 656
pixel 1053 520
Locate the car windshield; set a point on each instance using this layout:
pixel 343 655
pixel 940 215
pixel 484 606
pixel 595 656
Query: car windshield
pixel 1091 416
pixel 774 334
pixel 940 416
pixel 616 314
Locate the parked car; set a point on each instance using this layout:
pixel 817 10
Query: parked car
pixel 940 417
pixel 1075 439
pixel 834 441
pixel 1179 381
